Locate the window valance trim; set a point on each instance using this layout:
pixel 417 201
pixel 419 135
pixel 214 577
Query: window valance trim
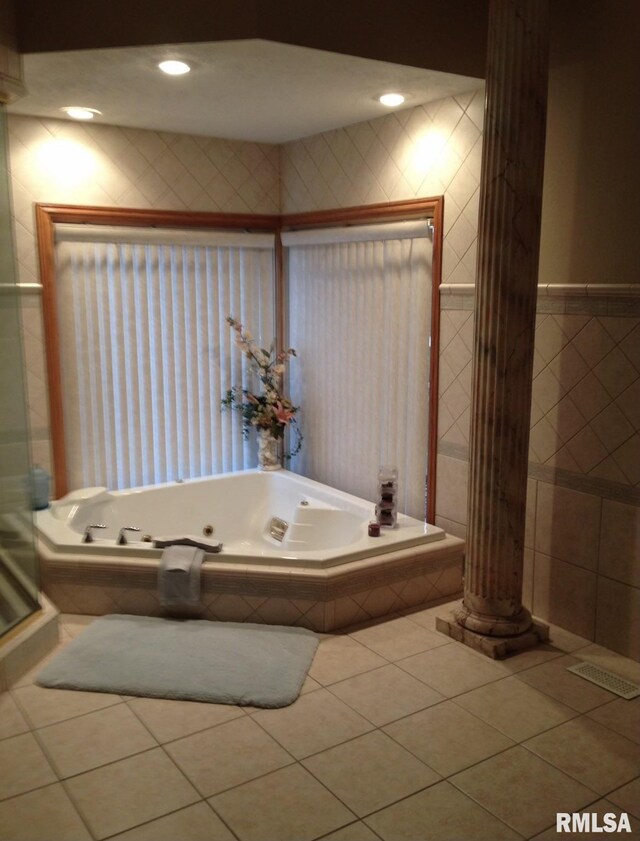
pixel 359 233
pixel 162 236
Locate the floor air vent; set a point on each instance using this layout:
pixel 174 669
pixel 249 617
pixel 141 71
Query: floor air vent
pixel 601 677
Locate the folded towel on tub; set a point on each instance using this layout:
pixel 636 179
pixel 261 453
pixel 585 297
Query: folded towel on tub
pixel 179 575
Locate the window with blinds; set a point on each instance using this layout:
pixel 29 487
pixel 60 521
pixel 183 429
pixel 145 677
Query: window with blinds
pixel 359 316
pixel 146 355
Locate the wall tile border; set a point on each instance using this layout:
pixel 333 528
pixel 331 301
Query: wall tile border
pixel 577 299
pixel 558 476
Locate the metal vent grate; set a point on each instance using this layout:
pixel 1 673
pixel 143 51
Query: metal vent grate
pixel 601 677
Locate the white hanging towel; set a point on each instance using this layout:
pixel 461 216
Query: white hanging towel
pixel 179 575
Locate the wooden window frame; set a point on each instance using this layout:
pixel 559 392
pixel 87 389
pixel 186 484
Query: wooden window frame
pixel 48 215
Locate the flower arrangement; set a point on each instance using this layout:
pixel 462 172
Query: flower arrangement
pixel 270 410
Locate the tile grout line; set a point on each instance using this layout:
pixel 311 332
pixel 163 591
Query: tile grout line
pixel 597 797
pixel 374 729
pixel 568 774
pixel 57 782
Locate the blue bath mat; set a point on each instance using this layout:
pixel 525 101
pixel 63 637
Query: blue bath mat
pixel 189 660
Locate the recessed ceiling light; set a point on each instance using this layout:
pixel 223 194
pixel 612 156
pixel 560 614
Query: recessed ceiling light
pixel 174 68
pixel 79 112
pixel 391 100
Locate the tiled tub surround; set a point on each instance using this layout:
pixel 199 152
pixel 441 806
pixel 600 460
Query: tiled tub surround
pixel 326 572
pixel 582 557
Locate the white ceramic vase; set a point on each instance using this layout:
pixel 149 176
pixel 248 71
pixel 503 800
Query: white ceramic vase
pixel 267 451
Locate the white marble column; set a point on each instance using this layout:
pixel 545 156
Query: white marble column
pixel 506 286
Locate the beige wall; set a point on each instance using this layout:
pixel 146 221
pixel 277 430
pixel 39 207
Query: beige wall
pixel 591 212
pixel 431 150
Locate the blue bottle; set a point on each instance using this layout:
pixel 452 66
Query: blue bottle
pixel 39 484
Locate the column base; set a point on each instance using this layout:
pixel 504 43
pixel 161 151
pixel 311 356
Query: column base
pixel 492 621
pixel 496 647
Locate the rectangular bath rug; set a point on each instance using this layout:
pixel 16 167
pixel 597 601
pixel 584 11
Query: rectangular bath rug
pixel 190 660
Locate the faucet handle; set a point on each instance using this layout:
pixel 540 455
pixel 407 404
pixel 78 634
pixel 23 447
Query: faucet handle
pixel 121 539
pixel 87 537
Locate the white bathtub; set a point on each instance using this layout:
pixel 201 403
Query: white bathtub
pixel 325 573
pixel 325 527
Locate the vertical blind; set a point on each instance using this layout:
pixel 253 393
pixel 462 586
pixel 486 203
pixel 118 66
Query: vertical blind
pixel 146 355
pixel 359 316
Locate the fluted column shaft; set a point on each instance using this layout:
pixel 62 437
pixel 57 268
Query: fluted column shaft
pixel 506 285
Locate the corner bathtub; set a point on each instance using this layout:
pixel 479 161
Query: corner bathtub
pixel 324 572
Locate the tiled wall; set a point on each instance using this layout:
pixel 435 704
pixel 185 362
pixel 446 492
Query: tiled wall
pixel 60 162
pixel 582 557
pixel 431 150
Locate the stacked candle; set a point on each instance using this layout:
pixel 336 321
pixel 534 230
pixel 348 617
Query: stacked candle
pixel 386 508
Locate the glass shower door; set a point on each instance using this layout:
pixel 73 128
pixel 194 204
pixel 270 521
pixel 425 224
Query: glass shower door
pixel 18 563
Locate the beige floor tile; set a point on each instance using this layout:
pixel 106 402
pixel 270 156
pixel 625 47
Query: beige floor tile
pixel 589 752
pixel 95 739
pixel 627 797
pixel 288 805
pixel 195 823
pixel 553 679
pixel 426 616
pixel 309 685
pixel 385 772
pixel 520 661
pixel 517 710
pixel 28 766
pixel 313 723
pixel 452 669
pixel 47 706
pixel 522 790
pixel 42 815
pixel 622 716
pixel 357 831
pixel 12 722
pixel 385 694
pixel 227 755
pixel 130 792
pixel 565 640
pixel 448 738
pixel 441 813
pixel 169 720
pixel 601 808
pixel 75 623
pixel 399 638
pixel 341 657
